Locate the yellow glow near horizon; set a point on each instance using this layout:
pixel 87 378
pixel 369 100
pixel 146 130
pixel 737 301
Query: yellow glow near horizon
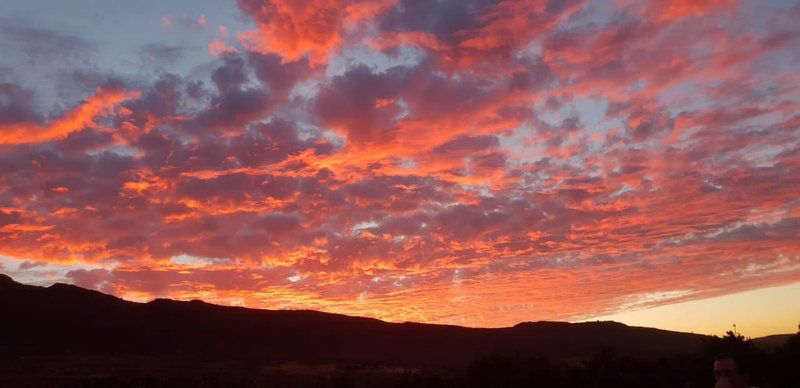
pixel 757 313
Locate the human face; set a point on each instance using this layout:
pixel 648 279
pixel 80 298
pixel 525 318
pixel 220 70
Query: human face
pixel 727 374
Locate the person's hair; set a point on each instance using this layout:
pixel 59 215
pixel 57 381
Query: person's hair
pixel 742 366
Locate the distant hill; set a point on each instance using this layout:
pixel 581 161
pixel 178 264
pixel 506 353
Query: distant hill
pixel 66 318
pixel 772 341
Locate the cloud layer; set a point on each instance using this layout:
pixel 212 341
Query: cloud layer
pixel 469 162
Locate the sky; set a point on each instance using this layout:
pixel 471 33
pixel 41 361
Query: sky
pixel 469 162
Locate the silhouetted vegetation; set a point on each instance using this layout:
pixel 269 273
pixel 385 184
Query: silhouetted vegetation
pixel 67 336
pixel 784 368
pixel 776 368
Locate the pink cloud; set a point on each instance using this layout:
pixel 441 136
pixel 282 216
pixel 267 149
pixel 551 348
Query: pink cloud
pixel 217 47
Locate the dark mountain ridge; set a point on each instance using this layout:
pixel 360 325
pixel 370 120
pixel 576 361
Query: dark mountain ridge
pixel 64 318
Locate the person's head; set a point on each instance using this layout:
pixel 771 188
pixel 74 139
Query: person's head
pixel 730 371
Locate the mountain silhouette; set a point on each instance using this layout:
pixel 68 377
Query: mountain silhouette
pixel 66 319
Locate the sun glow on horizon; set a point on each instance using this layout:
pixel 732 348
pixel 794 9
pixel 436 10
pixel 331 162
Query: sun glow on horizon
pixel 756 313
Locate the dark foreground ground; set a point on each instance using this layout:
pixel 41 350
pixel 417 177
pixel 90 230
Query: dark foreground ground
pixel 603 370
pixel 68 336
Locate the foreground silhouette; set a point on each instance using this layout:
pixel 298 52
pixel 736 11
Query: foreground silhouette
pixel 66 335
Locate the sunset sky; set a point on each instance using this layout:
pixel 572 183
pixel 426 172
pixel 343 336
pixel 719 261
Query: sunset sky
pixel 469 162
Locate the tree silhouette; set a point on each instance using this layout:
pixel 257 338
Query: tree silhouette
pixel 786 362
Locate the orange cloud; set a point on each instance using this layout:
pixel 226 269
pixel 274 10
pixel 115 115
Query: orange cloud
pixel 99 104
pixel 293 29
